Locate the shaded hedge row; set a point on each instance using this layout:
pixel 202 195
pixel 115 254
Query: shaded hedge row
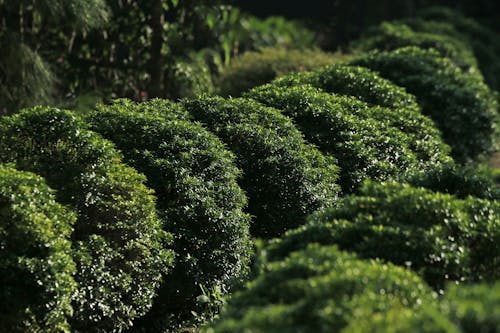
pixel 198 200
pixel 117 240
pixel 36 269
pixel 116 258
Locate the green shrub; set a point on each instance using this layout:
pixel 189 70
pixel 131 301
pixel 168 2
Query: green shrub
pixel 252 69
pixel 426 319
pixel 462 106
pixel 320 289
pixel 439 236
pixel 343 126
pixel 359 82
pixel 117 242
pixel 475 308
pixel 367 86
pixel 189 77
pixel 460 181
pixel 389 36
pixel 483 41
pixel 198 198
pixel 36 270
pixel 284 177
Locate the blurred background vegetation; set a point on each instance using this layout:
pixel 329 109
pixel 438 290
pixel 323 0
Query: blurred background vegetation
pixel 75 53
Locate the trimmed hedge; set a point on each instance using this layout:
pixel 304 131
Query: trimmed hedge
pixel 439 236
pixel 362 83
pixel 252 69
pixel 118 244
pixel 320 289
pixel 426 319
pixel 389 36
pixel 198 198
pixel 284 177
pixel 344 127
pixel 462 106
pixel 36 269
pixel 367 86
pixel 460 181
pixel 475 308
pixel 483 41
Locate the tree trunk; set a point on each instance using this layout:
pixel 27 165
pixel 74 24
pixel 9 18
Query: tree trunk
pixel 156 61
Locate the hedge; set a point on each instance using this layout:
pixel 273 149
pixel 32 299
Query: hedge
pixel 198 198
pixel 36 270
pixel 320 289
pixel 475 308
pixel 461 105
pixel 389 36
pixel 426 319
pixel 483 41
pixel 458 180
pixel 118 244
pixel 369 87
pixel 344 127
pixel 439 236
pixel 252 69
pixel 284 177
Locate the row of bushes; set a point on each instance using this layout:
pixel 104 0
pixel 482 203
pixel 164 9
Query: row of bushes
pixel 223 170
pixel 321 289
pixel 441 221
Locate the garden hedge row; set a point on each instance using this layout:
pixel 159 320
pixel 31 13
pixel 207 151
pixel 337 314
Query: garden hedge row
pixel 396 108
pixel 284 177
pixel 390 36
pixel 36 268
pixel 461 105
pixel 320 289
pixel 118 244
pixel 483 41
pixel 441 237
pixel 343 126
pixel 198 198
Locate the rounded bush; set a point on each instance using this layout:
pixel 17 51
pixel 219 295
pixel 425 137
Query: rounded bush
pixel 389 36
pixel 118 244
pixel 475 308
pixel 460 181
pixel 483 41
pixel 252 69
pixel 198 198
pixel 461 105
pixel 343 126
pixel 367 86
pixel 284 177
pixel 426 319
pixel 36 268
pixel 320 289
pixel 439 236
pixel 362 83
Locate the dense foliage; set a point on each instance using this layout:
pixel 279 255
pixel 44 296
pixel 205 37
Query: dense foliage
pixel 198 198
pixel 26 76
pixel 483 41
pixel 475 308
pixel 284 177
pixel 425 139
pixel 344 127
pixel 439 236
pixel 462 106
pixel 393 35
pixel 36 269
pixel 460 181
pixel 118 244
pixel 255 68
pixel 320 289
